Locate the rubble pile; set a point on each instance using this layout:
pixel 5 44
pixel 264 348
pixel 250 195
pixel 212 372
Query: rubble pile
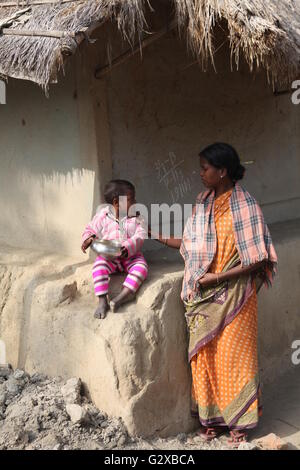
pixel 51 414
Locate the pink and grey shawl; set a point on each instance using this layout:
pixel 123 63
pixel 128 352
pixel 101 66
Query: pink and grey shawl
pixel 199 242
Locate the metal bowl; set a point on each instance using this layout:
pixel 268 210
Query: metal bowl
pixel 109 249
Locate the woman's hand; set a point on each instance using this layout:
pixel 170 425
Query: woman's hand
pixel 209 279
pixel 87 243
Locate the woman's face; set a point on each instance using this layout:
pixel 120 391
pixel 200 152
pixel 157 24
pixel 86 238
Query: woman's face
pixel 210 175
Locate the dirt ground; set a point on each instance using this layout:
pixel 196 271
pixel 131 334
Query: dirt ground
pixel 40 413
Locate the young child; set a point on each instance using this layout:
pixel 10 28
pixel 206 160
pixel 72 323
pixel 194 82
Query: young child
pixel 130 231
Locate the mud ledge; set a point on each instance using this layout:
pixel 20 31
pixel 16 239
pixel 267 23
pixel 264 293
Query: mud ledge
pixel 133 364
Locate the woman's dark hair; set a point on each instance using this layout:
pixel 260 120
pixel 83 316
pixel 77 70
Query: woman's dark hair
pixel 222 155
pixel 115 188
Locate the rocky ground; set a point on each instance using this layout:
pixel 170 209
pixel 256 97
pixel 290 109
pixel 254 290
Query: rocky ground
pixel 52 414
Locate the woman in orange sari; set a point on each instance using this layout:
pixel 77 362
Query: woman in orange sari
pixel 228 253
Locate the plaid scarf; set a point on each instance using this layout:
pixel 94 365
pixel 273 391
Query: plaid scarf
pixel 199 242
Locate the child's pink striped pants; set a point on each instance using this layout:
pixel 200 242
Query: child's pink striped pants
pixel 136 267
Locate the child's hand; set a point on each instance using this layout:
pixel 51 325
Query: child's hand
pixel 124 252
pixel 87 243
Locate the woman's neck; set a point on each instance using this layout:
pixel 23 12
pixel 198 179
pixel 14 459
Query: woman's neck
pixel 223 188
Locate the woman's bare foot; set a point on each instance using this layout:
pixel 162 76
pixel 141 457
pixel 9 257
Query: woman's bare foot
pixel 126 295
pixel 102 308
pixel 237 437
pixel 210 433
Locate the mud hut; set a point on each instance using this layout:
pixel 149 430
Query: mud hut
pixel 134 89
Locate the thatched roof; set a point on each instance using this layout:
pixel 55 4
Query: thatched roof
pixel 36 36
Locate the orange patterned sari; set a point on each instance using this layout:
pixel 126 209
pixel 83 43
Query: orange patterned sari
pixel 225 383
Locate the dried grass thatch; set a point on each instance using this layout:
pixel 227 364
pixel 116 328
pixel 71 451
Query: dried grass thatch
pixel 39 58
pixel 266 32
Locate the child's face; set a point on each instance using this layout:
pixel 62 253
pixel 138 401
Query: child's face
pixel 130 199
pixel 123 205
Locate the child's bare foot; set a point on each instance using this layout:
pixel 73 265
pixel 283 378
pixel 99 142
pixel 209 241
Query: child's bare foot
pixel 126 295
pixel 102 308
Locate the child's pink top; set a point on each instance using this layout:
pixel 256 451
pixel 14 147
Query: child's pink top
pixel 105 225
